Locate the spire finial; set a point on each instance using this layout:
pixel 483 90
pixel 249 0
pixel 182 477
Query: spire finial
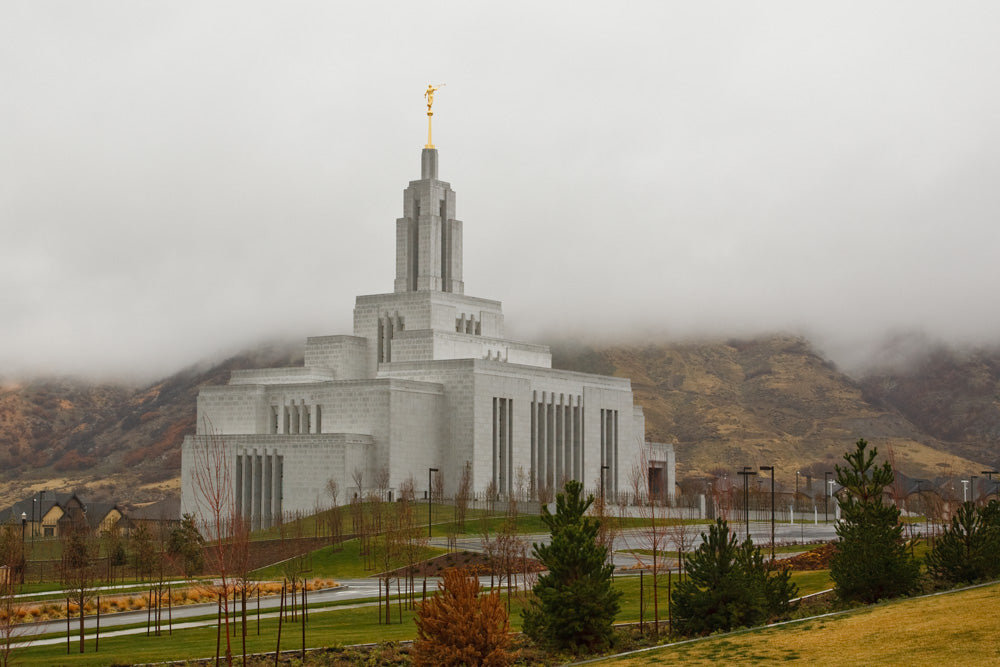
pixel 429 94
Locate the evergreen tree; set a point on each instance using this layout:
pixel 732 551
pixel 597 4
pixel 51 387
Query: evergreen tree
pixel 729 585
pixel 871 561
pixel 574 604
pixel 460 625
pixel 185 542
pixel 968 550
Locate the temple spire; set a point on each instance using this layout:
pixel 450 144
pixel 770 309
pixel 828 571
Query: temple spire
pixel 429 94
pixel 428 236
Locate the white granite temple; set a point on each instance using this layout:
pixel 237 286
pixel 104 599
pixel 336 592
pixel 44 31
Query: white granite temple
pixel 427 381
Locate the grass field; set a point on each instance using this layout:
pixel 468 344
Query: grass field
pixel 960 628
pixel 330 628
pixel 348 626
pixel 344 562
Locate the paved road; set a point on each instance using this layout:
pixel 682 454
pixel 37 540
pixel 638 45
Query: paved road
pixel 349 589
pixel 355 589
pixel 636 538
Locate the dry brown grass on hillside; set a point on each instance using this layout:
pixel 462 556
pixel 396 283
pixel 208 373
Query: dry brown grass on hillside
pixel 952 629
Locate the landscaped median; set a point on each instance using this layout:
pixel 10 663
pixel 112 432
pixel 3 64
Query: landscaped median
pixel 55 608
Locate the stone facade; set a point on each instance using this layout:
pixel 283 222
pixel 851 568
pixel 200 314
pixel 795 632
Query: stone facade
pixel 428 380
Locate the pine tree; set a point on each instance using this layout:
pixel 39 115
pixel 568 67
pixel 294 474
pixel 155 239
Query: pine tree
pixel 574 604
pixel 185 542
pixel 460 625
pixel 968 549
pixel 871 561
pixel 729 585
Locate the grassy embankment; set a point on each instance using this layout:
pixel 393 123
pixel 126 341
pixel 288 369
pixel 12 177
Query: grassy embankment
pixel 956 628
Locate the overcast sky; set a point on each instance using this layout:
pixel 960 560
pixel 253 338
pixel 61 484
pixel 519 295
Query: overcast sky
pixel 179 179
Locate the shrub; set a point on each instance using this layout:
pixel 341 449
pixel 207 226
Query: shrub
pixel 460 625
pixel 871 561
pixel 967 551
pixel 729 585
pixel 574 603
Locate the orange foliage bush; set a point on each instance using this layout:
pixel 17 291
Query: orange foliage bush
pixel 460 625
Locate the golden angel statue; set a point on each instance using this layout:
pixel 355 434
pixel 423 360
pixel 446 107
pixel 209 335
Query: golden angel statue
pixel 429 94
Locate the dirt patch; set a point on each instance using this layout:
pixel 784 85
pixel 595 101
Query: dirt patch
pixel 815 559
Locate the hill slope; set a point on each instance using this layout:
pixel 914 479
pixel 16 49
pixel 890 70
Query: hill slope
pixel 119 443
pixel 725 404
pixel 771 401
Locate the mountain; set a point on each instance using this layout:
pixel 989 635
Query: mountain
pixel 952 395
pixel 117 442
pixel 724 404
pixel 776 401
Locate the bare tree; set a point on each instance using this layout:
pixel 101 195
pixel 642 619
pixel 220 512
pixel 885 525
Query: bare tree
pixel 333 516
pixel 608 529
pixel 359 524
pixel 681 538
pixel 413 540
pixel 545 495
pixel 244 584
pixel 491 496
pixel 143 550
pixel 12 557
pixel 78 567
pixel 213 484
pixel 462 495
pixel 508 548
pixel 438 487
pixel 387 545
pixel 652 536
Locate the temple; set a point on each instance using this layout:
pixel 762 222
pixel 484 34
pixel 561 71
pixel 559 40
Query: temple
pixel 426 385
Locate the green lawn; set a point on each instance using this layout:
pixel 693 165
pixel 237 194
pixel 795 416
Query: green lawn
pixel 329 628
pixel 348 626
pixel 344 561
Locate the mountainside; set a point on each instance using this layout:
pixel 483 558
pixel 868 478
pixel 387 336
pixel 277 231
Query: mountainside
pixel 775 401
pixel 768 401
pixel 951 395
pixel 119 443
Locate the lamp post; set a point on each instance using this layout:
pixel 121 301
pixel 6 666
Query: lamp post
pixel 746 472
pixel 989 477
pixel 765 469
pixel 430 500
pixel 24 563
pixel 826 496
pixel 37 523
pixel 794 504
pixel 603 468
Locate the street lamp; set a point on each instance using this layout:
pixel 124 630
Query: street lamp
pixel 24 524
pixel 603 468
pixel 746 472
pixel 771 468
pixel 826 495
pixel 795 504
pixel 36 523
pixel 430 500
